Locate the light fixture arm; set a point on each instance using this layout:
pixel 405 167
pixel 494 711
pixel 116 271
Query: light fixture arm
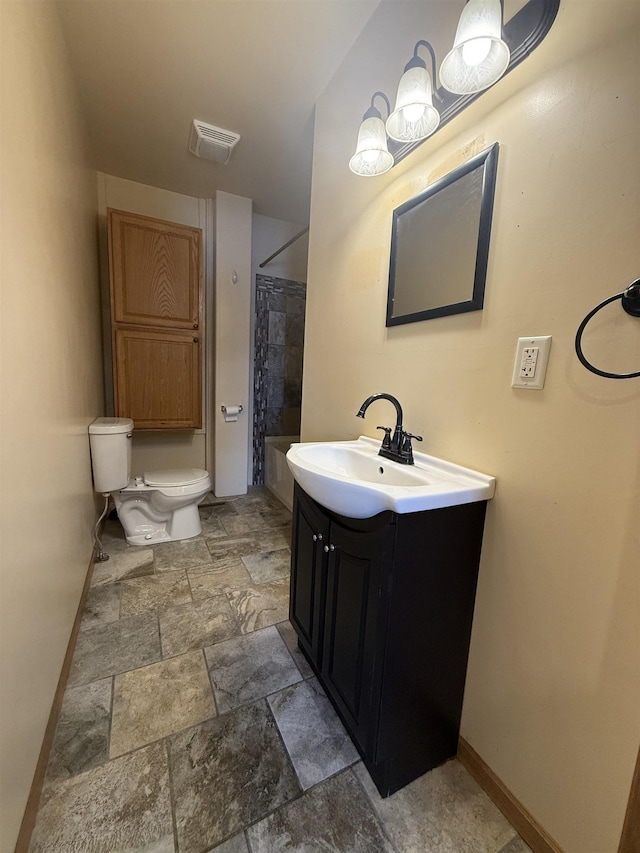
pixel 524 32
pixel 373 111
pixel 415 118
pixel 417 62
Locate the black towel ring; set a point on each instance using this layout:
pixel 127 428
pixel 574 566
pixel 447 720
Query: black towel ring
pixel 631 304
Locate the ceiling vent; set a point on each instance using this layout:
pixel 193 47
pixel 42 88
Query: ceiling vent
pixel 212 143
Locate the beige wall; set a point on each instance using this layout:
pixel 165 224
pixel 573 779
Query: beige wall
pixel 154 449
pixel 51 382
pixel 553 687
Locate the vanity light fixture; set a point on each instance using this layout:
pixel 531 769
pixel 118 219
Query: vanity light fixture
pixel 479 56
pixel 484 50
pixel 414 116
pixel 372 156
pixel 478 59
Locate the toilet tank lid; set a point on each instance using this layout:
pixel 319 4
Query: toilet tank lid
pixel 175 477
pixel 104 426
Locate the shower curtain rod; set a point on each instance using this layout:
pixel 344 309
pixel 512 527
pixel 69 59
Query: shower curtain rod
pixel 286 246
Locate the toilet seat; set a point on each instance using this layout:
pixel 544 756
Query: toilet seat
pixel 175 477
pixel 172 483
pixel 178 481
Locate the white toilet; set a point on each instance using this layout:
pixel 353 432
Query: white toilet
pixel 160 506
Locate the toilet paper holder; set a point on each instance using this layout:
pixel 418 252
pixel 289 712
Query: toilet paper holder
pixel 231 413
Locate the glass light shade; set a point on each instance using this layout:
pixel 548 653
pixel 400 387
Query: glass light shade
pixel 372 156
pixel 479 56
pixel 414 116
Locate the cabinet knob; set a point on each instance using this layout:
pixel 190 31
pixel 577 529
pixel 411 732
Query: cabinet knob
pixel 318 537
pixel 328 548
pixel 195 340
pixel 195 325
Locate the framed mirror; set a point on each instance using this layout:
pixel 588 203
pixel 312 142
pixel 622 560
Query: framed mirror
pixel 440 245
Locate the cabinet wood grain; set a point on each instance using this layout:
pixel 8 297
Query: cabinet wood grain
pixel 158 384
pixel 156 321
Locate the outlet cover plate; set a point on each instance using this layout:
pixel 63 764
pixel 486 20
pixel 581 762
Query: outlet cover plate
pixel 539 348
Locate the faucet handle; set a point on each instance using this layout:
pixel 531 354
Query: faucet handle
pixel 407 449
pixel 386 441
pixel 407 438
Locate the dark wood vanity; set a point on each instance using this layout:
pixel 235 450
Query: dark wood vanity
pixel 383 608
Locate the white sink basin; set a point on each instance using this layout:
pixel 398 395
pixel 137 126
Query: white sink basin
pixel 350 478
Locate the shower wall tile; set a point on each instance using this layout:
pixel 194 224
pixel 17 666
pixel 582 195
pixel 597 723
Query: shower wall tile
pixel 279 337
pixel 276 299
pixel 293 362
pixel 275 360
pixel 274 422
pixel 292 393
pixel 277 327
pixel 290 421
pixel 295 329
pixel 275 391
pixel 296 304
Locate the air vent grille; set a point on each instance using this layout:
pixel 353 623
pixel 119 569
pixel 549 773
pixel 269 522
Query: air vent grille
pixel 211 142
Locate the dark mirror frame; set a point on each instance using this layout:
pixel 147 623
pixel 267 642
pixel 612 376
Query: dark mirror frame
pixel 488 161
pixel 522 33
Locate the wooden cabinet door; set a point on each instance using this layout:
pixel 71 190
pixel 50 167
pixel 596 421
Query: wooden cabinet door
pixel 155 318
pixel 353 633
pixel 155 272
pixel 158 378
pixel 310 533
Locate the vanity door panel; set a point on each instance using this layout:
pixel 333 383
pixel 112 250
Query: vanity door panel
pixel 354 625
pixel 310 533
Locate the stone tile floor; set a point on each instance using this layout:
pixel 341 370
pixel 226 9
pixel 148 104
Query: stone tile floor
pixel 192 723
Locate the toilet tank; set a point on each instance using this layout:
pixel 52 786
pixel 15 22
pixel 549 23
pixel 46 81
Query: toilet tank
pixel 110 440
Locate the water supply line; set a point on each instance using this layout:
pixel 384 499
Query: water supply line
pixel 101 556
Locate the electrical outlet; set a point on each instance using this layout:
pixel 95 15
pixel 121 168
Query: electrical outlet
pixel 530 366
pixel 529 362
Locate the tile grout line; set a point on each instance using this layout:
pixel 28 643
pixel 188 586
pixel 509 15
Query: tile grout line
pixel 172 799
pixel 211 688
pixel 111 704
pixel 375 811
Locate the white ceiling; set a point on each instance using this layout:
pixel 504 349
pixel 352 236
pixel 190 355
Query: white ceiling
pixel 146 68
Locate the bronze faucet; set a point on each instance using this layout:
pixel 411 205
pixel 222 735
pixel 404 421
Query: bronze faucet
pixel 397 447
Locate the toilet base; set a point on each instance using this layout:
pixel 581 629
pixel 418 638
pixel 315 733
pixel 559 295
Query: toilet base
pixel 154 537
pixel 141 530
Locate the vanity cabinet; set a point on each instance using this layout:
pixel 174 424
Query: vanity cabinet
pixel 383 609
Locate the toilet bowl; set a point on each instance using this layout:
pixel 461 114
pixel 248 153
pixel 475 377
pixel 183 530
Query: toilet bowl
pixel 160 506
